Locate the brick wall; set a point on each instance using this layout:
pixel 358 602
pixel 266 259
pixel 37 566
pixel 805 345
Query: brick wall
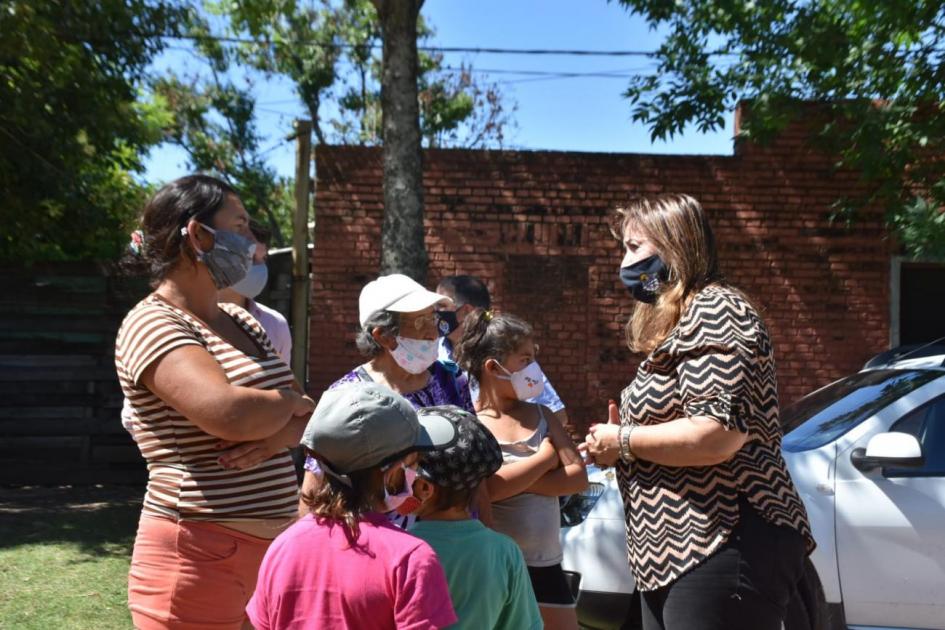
pixel 535 226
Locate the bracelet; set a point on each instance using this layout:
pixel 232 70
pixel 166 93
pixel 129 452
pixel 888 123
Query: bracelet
pixel 623 438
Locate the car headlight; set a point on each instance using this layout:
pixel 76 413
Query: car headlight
pixel 576 507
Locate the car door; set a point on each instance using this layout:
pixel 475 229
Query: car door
pixel 890 526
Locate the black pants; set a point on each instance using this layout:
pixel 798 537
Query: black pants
pixel 744 585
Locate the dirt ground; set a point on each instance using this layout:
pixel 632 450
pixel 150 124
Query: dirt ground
pixel 22 500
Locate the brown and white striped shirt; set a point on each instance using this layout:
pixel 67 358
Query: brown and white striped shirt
pixel 717 363
pixel 184 479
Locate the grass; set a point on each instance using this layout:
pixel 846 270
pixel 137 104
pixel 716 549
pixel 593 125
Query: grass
pixel 64 556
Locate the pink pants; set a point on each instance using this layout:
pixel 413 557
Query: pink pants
pixel 191 575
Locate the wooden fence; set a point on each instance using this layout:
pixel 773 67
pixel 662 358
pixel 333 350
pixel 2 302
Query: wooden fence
pixel 60 401
pixel 59 395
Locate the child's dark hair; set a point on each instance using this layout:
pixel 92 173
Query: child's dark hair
pixel 333 499
pixel 446 497
pixel 489 335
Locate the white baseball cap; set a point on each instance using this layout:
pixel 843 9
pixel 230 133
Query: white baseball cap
pixel 397 293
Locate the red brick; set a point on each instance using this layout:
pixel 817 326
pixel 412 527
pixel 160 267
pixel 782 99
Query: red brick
pixel 512 217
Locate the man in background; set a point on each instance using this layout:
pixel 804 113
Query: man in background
pixel 470 293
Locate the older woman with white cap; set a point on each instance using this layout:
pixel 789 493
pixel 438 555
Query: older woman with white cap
pixel 398 335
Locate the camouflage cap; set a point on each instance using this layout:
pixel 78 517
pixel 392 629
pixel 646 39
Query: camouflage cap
pixel 464 464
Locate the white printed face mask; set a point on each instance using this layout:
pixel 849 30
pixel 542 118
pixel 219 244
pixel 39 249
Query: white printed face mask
pixel 527 382
pixel 403 502
pixel 415 355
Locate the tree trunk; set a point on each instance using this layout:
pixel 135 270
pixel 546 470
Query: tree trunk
pixel 402 245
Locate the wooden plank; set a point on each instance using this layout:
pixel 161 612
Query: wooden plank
pixel 27 345
pixel 115 454
pixel 70 449
pixel 91 374
pixel 10 402
pixel 56 323
pixel 53 389
pixel 27 413
pixel 49 360
pixel 27 473
pixel 59 427
pixel 25 308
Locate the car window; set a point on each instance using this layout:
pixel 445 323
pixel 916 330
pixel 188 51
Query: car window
pixel 927 424
pixel 828 413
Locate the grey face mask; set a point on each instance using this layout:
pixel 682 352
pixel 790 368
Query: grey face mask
pixel 230 259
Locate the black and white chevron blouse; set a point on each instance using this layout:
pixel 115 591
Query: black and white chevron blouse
pixel 717 362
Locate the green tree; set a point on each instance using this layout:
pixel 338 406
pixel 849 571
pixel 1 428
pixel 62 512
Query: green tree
pixel 72 127
pixel 329 50
pixel 298 40
pixel 331 53
pixel 456 109
pixel 403 249
pixel 214 121
pixel 875 66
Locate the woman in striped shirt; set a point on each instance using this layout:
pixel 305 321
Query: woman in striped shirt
pixel 717 534
pixel 199 376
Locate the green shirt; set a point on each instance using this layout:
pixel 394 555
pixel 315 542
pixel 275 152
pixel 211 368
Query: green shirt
pixel 486 573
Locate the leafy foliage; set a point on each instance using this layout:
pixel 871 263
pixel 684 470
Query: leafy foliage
pixel 73 129
pixel 331 52
pixel 299 41
pixel 213 120
pixel 875 66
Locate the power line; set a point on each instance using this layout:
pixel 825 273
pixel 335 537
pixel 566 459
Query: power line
pixel 543 73
pixel 440 49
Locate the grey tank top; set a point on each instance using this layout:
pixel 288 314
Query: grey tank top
pixel 532 520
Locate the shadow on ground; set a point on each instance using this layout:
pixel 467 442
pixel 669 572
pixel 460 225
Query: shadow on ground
pixel 100 520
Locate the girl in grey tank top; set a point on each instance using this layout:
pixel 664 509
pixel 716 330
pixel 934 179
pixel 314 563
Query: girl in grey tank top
pixel 532 520
pixel 540 462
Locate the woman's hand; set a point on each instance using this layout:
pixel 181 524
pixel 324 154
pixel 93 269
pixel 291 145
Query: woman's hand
pixel 243 455
pixel 602 444
pixel 304 406
pixel 548 453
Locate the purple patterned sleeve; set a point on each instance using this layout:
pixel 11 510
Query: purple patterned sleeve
pixel 351 377
pixel 443 388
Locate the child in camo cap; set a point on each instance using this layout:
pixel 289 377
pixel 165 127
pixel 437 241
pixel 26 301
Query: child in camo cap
pixel 486 573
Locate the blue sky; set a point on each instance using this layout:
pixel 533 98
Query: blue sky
pixel 567 114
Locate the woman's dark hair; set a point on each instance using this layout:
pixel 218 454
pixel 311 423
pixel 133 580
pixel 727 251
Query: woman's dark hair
pixel 196 197
pixel 387 321
pixel 487 336
pixel 333 499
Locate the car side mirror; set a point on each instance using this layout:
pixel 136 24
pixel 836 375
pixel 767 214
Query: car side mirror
pixel 888 449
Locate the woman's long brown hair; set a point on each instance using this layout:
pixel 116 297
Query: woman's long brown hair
pixel 678 228
pixel 334 500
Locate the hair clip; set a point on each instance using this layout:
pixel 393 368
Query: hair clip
pixel 137 242
pixel 488 314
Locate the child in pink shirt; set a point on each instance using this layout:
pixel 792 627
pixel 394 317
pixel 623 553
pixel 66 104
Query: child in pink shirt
pixel 344 565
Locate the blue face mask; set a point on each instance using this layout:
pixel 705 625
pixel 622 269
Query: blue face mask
pixel 644 278
pixel 230 259
pixel 254 282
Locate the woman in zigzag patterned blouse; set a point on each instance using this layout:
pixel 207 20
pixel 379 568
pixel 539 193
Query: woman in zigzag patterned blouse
pixel 717 534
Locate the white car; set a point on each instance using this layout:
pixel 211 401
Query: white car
pixel 867 454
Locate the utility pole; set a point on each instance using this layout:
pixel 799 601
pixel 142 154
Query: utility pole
pixel 300 256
